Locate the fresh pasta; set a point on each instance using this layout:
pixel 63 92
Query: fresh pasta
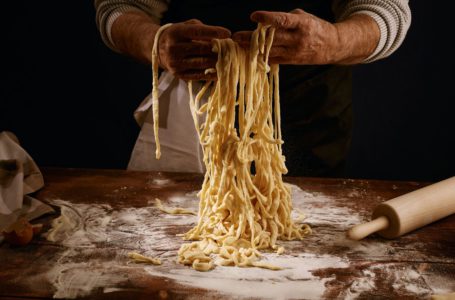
pixel 139 258
pixel 244 204
pixel 173 210
pixel 155 104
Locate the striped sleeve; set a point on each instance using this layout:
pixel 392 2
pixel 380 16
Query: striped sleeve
pixel 107 11
pixel 392 16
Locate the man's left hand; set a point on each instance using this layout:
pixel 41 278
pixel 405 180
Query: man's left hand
pixel 304 39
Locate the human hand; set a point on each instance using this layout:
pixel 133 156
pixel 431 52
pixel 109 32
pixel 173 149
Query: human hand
pixel 300 38
pixel 185 49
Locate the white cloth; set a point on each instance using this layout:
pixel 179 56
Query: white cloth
pixel 180 148
pixel 19 176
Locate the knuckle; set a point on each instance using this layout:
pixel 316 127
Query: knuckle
pixel 284 20
pixel 193 21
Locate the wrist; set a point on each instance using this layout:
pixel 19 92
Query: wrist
pixel 133 34
pixel 146 40
pixel 358 37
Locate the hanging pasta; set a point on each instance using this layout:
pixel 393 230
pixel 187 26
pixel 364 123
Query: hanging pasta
pixel 244 204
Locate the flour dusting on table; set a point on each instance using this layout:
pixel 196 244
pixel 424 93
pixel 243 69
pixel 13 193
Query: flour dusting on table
pixel 99 231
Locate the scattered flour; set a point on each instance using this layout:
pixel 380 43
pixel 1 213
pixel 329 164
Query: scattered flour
pixel 317 205
pixel 108 234
pixel 440 284
pixel 80 225
pixel 411 281
pixel 73 278
pixel 294 281
pixel 161 182
pixel 361 284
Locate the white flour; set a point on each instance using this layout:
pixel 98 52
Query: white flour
pixel 73 278
pixel 361 284
pixel 81 225
pixel 295 281
pixel 100 231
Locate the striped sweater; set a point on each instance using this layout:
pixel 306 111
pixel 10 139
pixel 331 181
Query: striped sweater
pixel 392 16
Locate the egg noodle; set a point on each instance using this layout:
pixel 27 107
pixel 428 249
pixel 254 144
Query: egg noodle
pixel 244 204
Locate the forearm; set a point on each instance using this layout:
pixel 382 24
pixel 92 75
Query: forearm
pixel 133 34
pixel 136 17
pixel 358 37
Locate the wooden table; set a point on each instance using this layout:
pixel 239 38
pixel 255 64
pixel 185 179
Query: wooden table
pixel 112 213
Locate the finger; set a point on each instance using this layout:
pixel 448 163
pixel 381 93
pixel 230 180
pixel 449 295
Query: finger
pixel 242 37
pixel 204 32
pixel 199 63
pixel 297 11
pixel 193 63
pixel 195 75
pixel 278 60
pixel 284 37
pixel 193 21
pixel 277 19
pixel 282 55
pixel 245 46
pixel 181 50
pixel 282 60
pixel 278 52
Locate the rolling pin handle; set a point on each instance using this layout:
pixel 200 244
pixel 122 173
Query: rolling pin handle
pixel 360 231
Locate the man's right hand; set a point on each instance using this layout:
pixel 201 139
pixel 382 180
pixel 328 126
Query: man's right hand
pixel 185 49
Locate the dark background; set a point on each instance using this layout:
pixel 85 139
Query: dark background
pixel 70 99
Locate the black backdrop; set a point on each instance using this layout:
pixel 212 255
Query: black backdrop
pixel 70 99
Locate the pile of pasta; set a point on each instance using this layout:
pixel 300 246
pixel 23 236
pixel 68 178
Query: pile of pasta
pixel 244 204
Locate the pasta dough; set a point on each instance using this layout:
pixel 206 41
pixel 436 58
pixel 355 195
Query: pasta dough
pixel 155 88
pixel 139 258
pixel 244 204
pixel 173 210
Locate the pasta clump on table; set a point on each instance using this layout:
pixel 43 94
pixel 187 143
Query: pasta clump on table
pixel 244 204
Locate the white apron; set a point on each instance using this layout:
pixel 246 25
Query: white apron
pixel 180 148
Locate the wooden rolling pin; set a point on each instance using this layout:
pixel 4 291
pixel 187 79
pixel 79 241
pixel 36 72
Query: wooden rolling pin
pixel 408 212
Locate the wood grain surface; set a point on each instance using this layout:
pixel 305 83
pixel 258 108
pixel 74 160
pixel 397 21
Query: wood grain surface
pixel 113 213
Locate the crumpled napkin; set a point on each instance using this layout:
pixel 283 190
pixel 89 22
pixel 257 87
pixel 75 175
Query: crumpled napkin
pixel 19 176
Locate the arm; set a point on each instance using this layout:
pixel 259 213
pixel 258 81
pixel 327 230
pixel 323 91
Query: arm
pixel 108 11
pixel 133 34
